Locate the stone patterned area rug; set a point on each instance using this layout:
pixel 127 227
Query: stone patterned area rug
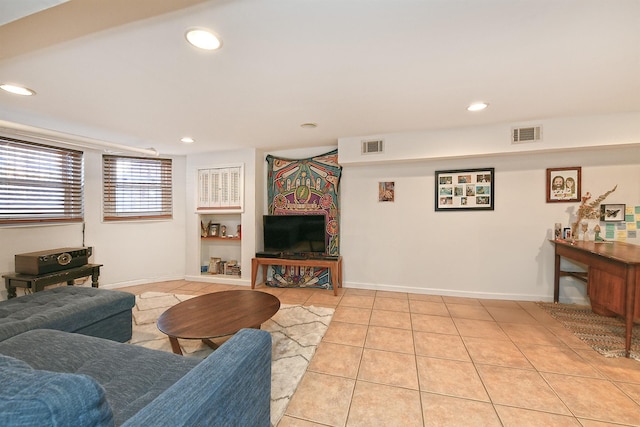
pixel 295 331
pixel 606 335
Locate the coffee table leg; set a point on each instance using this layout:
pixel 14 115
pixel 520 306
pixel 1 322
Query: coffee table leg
pixel 175 346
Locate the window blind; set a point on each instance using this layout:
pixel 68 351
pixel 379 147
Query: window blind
pixel 40 183
pixel 136 188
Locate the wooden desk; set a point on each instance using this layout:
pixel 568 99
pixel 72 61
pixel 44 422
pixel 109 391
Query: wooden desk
pixel 334 266
pixel 613 277
pixel 37 283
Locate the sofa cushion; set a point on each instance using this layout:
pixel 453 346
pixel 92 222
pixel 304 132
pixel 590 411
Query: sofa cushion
pixel 132 376
pixel 65 308
pixel 30 397
pixel 230 388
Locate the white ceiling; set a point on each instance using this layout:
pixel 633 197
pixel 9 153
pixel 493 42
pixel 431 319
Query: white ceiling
pixel 354 67
pixel 10 10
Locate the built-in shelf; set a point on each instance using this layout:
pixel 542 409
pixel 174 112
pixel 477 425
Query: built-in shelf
pixel 219 208
pixel 220 275
pixel 220 238
pixel 223 243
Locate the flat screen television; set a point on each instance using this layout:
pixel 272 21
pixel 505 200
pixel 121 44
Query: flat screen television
pixel 294 234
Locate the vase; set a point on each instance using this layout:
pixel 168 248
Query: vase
pixel 584 228
pixel 587 229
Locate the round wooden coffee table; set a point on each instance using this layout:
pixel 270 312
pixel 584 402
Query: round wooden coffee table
pixel 216 315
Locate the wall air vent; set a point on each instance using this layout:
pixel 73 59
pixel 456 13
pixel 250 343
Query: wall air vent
pixel 373 146
pixel 526 134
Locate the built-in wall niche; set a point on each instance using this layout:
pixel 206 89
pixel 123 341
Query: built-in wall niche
pixel 220 189
pixel 219 208
pixel 221 240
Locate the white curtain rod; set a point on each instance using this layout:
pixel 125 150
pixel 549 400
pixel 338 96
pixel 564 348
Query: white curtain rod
pixel 69 139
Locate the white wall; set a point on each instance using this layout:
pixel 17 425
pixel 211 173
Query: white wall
pixel 504 254
pixel 132 252
pixel 138 251
pixel 558 134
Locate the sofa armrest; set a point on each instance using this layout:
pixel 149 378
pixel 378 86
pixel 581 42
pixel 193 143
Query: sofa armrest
pixel 231 387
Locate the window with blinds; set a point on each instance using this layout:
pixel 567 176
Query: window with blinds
pixel 40 183
pixel 136 188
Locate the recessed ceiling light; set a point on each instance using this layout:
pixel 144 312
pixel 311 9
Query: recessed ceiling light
pixel 478 106
pixel 203 39
pixel 187 140
pixel 17 90
pixel 309 125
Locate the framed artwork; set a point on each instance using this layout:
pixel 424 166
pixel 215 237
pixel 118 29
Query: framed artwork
pixel 564 184
pixel 464 189
pixel 386 191
pixel 612 213
pixel 215 265
pixel 214 230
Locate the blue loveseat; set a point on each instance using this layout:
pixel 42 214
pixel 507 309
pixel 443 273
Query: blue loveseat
pixel 89 311
pixel 56 378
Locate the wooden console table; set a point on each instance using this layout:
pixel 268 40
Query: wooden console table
pixel 612 277
pixel 334 266
pixel 37 283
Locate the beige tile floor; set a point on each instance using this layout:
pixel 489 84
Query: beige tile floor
pixel 398 359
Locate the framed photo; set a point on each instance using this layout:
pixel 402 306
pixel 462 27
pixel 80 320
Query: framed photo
pixel 464 189
pixel 564 184
pixel 215 265
pixel 386 191
pixel 214 230
pixel 612 213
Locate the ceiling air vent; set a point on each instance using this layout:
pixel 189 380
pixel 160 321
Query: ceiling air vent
pixel 528 134
pixel 371 147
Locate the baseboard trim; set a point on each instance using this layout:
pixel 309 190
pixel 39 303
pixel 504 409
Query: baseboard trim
pixel 573 299
pixel 464 294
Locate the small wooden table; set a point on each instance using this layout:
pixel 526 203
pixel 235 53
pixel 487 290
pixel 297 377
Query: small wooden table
pixel 38 283
pixel 334 266
pixel 613 277
pixel 216 315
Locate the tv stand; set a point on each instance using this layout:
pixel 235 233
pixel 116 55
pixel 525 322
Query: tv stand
pixel 334 264
pixel 294 256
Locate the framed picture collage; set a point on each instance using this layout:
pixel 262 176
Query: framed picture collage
pixel 464 189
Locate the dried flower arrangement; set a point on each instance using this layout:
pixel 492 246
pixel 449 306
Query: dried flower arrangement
pixel 589 210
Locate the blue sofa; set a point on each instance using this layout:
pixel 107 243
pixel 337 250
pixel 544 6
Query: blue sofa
pixel 100 313
pixel 57 378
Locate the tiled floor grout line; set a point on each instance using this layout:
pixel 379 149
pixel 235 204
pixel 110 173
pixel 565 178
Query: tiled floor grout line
pixel 357 374
pixel 415 361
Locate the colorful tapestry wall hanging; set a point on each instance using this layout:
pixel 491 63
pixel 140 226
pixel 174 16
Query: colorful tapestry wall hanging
pixel 305 187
